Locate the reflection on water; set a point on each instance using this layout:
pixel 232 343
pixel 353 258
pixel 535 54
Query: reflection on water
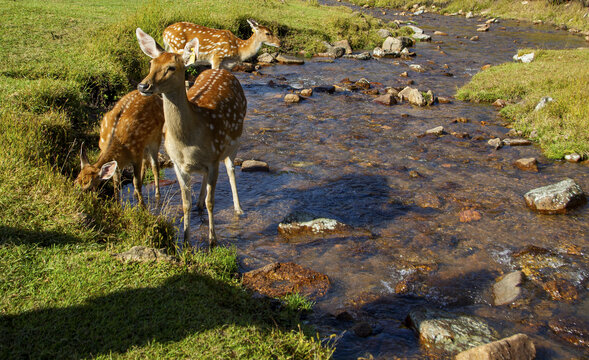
pixel 344 157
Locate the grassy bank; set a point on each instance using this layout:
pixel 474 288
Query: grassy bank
pixel 562 126
pixel 569 13
pixel 63 294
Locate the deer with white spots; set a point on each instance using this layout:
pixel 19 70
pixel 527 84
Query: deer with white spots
pixel 217 47
pixel 203 125
pixel 131 133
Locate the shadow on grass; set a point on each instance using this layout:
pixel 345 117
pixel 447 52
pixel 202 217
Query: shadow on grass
pixel 19 236
pixel 185 304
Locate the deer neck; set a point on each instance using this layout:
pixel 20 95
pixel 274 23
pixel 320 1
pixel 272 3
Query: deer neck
pixel 179 114
pixel 248 48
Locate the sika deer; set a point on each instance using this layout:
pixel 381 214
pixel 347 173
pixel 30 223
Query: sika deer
pixel 129 133
pixel 217 46
pixel 203 125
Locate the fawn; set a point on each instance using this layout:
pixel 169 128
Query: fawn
pixel 203 125
pixel 217 46
pixel 129 133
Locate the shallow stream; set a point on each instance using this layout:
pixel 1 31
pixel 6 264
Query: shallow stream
pixel 342 156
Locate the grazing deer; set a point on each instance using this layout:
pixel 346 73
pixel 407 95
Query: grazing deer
pixel 217 46
pixel 129 133
pixel 203 125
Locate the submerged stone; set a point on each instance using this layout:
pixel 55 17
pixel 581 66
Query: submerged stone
pixel 305 224
pixel 508 289
pixel 280 279
pixel 516 347
pixel 556 198
pixel 449 331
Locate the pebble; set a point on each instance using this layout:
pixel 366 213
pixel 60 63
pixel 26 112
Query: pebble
pixel 254 166
pixel 527 164
pixel 292 98
pixel 437 131
pixel 496 143
pixel 574 157
pixel 474 38
pixel 440 33
pixel 307 92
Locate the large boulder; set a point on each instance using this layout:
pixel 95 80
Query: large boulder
pixel 448 331
pixel 516 347
pixel 280 279
pixel 392 44
pixel 556 198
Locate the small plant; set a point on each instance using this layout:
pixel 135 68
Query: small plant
pixel 297 302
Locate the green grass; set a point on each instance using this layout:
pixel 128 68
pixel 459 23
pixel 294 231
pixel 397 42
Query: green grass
pixel 569 13
pixel 562 126
pixel 62 293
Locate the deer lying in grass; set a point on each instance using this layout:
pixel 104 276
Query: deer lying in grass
pixel 203 125
pixel 217 47
pixel 129 134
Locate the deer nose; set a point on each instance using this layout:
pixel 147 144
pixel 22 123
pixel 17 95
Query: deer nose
pixel 144 89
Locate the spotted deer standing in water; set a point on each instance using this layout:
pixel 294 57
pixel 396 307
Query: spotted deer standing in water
pixel 203 125
pixel 217 47
pixel 130 134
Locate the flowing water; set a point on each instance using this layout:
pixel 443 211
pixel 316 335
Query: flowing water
pixel 342 156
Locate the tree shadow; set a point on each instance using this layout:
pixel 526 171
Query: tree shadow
pixel 184 305
pixel 19 236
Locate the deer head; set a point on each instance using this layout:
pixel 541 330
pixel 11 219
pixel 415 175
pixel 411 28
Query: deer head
pixel 90 176
pixel 263 34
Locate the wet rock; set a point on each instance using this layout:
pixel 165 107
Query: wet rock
pixel 561 290
pixel 452 332
pixel 280 279
pixel 474 38
pixel 254 166
pixel 292 98
pixel 440 33
pixel 144 254
pixel 499 103
pixel 335 51
pixel 415 29
pixel 497 143
pixel 304 224
pixel 392 44
pixel 469 215
pixel 330 89
pixel 361 56
pixel 574 157
pixel 444 100
pixel 381 53
pixel 556 198
pixel 243 67
pixel 363 83
pixel 266 58
pixel 289 60
pixel 372 92
pixel 460 135
pixel 414 174
pixel 437 131
pixel 362 329
pixel 417 67
pixel 483 27
pixel 508 289
pixel 527 164
pixel 545 100
pixel 345 44
pixel 517 142
pixel 427 200
pixel 462 120
pixel 383 33
pixel 430 98
pixel 404 74
pixel 344 316
pixel 526 58
pixel 387 99
pixel 412 95
pixel 392 91
pixel 486 67
pixel 307 92
pixel 516 347
pixel 574 330
pixel 421 37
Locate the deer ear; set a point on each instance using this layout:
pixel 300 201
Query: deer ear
pixel 107 170
pixel 191 49
pixel 83 157
pixel 253 24
pixel 148 44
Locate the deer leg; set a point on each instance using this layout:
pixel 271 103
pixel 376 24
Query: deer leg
pixel 201 197
pixel 212 175
pixel 116 182
pixel 215 62
pixel 138 172
pixel 231 175
pixel 155 169
pixel 184 181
